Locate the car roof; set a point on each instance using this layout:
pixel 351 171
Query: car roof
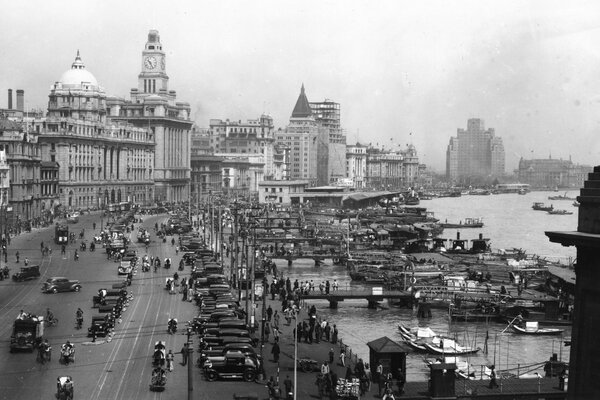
pixel 56 278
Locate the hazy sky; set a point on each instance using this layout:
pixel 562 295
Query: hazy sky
pixel 530 69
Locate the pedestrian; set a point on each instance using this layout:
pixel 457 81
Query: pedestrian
pixel 26 261
pixel 334 335
pixel 331 355
pixel 276 317
pixel 63 250
pixel 170 357
pixel 17 255
pixel 325 368
pixel 401 381
pixel 269 313
pixel 267 331
pixel 185 292
pixel 275 351
pixel 493 383
pixel 184 354
pixel 342 357
pixel 275 333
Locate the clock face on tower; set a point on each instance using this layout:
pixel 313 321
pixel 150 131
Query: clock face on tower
pixel 150 62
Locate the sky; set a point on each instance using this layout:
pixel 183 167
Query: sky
pixel 403 71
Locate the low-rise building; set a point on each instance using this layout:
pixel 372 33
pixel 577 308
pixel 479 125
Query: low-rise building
pixel 280 192
pixel 552 173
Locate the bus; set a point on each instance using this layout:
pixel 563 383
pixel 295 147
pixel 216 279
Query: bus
pixel 61 234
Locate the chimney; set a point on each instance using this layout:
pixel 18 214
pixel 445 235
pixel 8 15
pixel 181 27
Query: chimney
pixel 457 235
pixel 20 100
pixel 10 99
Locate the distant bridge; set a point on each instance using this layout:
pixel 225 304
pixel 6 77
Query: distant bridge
pixel 372 297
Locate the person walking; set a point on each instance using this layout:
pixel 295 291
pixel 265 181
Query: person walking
pixel 17 255
pixel 342 357
pixel 170 357
pixel 275 350
pixel 276 318
pixel 269 313
pixel 184 354
pixel 379 377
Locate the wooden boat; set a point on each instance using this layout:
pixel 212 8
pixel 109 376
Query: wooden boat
pixel 575 203
pixel 542 207
pixel 532 328
pixel 560 212
pixel 453 350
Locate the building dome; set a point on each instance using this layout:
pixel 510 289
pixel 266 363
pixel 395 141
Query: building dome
pixel 78 75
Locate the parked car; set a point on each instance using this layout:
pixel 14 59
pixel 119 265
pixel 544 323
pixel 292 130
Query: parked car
pixel 233 365
pixel 125 268
pixel 61 284
pixel 27 273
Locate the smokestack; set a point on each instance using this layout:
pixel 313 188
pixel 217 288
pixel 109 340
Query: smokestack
pixel 457 235
pixel 20 100
pixel 481 236
pixel 10 99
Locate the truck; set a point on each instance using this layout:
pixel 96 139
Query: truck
pixel 27 333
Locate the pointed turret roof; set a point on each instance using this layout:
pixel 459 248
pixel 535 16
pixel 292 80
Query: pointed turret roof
pixel 302 108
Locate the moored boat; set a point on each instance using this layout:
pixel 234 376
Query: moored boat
pixel 560 212
pixel 469 223
pixel 561 197
pixel 538 206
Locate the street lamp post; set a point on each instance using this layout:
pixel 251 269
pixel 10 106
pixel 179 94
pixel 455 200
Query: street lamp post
pixel 190 362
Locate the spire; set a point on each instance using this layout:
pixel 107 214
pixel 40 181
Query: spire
pixel 302 108
pixel 77 64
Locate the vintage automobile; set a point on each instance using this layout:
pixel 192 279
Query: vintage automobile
pixel 125 268
pixel 100 326
pixel 61 284
pixel 27 273
pixel 130 255
pixel 233 365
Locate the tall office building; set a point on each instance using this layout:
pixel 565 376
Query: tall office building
pixel 474 153
pixel 153 106
pixel 316 142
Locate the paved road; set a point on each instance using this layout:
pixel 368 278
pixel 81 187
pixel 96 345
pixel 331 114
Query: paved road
pixel 119 369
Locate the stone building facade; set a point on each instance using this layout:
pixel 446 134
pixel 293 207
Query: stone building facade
pixel 254 137
pixel 317 144
pixel 100 161
pixel 551 173
pixel 154 107
pixel 23 160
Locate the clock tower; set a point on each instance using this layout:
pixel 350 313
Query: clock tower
pixel 153 77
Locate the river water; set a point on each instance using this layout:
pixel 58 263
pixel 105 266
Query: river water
pixel 509 221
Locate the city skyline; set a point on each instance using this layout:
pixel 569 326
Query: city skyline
pixel 397 68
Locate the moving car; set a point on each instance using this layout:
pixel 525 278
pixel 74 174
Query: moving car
pixel 61 284
pixel 27 273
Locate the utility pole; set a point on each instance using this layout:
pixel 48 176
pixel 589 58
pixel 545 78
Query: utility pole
pixel 190 363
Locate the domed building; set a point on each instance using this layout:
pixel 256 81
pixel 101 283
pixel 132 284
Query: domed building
pixel 100 161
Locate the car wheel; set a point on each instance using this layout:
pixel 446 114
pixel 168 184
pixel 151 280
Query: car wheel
pixel 77 288
pixel 211 376
pixel 249 375
pixel 54 290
